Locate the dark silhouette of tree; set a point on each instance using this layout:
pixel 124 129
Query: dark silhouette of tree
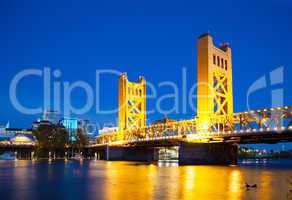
pixel 81 139
pixel 51 138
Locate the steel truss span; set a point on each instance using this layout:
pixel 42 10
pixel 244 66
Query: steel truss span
pixel 215 120
pixel 254 126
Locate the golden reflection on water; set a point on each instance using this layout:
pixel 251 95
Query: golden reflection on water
pixel 188 182
pixel 21 173
pixel 235 185
pixel 127 180
pixel 266 183
pixel 134 181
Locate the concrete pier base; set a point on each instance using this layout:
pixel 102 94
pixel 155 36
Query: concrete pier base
pixel 219 154
pixel 141 154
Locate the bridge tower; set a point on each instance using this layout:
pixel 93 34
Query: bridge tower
pixel 215 99
pixel 132 104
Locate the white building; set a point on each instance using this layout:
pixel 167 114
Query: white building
pixel 108 130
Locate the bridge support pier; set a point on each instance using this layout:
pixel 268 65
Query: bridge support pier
pixel 141 154
pixel 196 153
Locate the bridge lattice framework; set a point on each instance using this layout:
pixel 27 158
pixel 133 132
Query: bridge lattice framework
pixel 272 119
pixel 214 104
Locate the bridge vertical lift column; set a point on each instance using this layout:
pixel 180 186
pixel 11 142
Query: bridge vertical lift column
pixel 132 116
pixel 214 104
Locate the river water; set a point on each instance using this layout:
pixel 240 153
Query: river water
pixel 128 180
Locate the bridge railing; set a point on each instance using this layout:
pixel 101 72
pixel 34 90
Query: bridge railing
pixel 266 119
pixel 269 118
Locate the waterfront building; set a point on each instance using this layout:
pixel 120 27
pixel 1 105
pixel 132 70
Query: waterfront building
pixel 22 139
pixel 6 134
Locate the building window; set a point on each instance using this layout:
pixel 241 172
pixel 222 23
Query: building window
pixel 225 64
pixel 218 61
pixel 214 59
pixel 222 63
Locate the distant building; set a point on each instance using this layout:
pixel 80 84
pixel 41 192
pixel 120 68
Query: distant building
pixel 71 124
pixel 23 139
pixel 3 127
pixel 2 130
pixel 83 124
pixel 37 124
pixel 164 120
pixel 108 130
pixel 52 116
pixel 18 131
pixel 9 133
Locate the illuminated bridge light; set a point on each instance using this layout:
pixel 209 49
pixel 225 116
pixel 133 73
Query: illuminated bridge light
pixel 290 128
pixel 261 129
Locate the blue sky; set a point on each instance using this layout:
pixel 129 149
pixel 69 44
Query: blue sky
pixel 150 38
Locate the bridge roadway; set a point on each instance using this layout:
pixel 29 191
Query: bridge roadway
pixel 212 148
pixel 270 136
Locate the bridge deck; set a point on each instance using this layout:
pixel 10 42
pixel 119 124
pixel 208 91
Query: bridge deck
pixel 251 137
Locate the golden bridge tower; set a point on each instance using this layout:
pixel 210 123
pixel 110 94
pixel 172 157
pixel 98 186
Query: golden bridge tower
pixel 132 104
pixel 215 99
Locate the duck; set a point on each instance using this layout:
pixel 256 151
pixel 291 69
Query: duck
pixel 250 186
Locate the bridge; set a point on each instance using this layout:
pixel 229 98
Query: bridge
pixel 212 137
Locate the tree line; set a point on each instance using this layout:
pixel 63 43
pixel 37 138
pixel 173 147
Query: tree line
pixel 54 138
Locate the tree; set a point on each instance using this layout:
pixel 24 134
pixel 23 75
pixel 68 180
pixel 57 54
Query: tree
pixel 81 139
pixel 51 138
